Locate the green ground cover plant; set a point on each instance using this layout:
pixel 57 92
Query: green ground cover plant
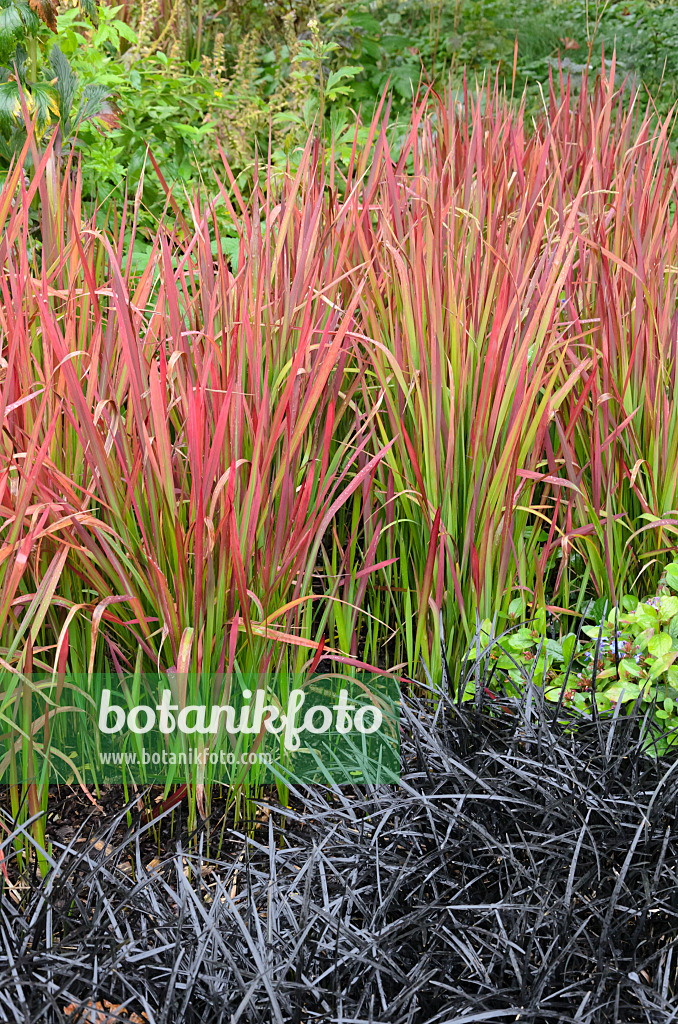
pixel 627 658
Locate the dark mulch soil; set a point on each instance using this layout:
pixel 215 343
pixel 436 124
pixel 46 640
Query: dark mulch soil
pixel 518 873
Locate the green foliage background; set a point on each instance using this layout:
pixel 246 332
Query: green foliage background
pixel 185 78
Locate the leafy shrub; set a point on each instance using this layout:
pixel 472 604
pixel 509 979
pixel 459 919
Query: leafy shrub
pixel 188 78
pixel 160 103
pixel 34 72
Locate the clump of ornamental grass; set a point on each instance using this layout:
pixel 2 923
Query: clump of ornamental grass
pixel 523 870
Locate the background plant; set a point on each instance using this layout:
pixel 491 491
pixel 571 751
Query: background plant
pixel 185 76
pixel 34 72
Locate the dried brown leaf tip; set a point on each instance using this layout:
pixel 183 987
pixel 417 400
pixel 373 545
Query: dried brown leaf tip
pixel 103 1013
pixel 46 11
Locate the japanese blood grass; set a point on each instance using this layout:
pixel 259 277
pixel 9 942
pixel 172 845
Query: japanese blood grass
pixel 521 871
pixel 436 385
pixel 176 447
pixel 521 317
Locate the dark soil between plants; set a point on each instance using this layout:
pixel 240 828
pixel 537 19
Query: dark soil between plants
pixel 518 873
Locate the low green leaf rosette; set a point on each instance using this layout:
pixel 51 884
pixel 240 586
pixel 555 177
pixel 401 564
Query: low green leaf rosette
pixel 634 650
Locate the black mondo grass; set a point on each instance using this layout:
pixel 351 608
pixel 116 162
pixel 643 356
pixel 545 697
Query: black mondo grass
pixel 524 870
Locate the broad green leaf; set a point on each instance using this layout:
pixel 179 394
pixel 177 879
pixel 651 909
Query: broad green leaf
pixel 517 643
pixel 348 71
pixel 568 647
pixel 504 662
pixel 92 103
pixel 46 102
pixel 623 692
pixel 643 639
pixel 661 664
pixel 11 24
pixel 10 103
pixel 668 607
pixel 554 650
pixel 593 632
pixel 608 673
pixel 660 644
pixel 124 30
pixel 28 16
pixel 646 616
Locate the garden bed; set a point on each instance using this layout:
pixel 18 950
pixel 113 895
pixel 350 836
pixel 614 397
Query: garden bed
pixel 417 391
